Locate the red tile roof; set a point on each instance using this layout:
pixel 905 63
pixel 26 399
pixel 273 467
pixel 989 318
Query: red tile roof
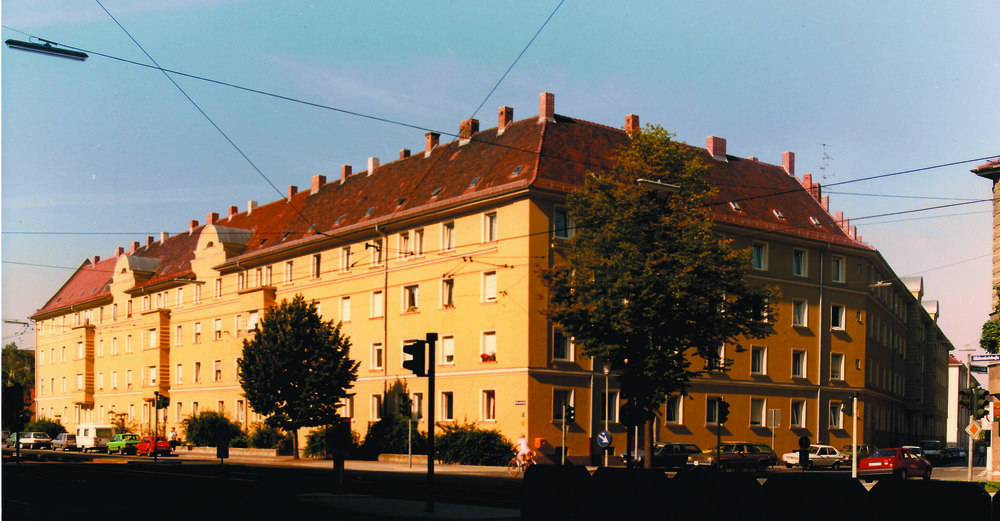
pixel 553 155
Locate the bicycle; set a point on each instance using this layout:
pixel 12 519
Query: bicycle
pixel 515 467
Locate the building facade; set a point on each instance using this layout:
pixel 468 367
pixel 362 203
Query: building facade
pixel 453 240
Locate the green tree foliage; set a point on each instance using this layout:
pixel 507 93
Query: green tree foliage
pixel 389 434
pixel 647 283
pixel 990 339
pixel 265 437
pixel 321 443
pixel 467 445
pixel 296 368
pixel 19 366
pixel 210 428
pixel 49 427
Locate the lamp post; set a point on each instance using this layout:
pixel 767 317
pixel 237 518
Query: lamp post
pixel 607 403
pixel 50 48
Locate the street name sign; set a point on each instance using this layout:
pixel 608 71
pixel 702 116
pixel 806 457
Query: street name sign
pixel 986 358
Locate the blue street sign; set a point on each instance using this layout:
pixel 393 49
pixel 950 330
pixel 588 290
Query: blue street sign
pixel 604 439
pixel 986 358
pixel 979 369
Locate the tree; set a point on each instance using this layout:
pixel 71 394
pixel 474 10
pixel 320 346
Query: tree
pixel 647 283
pixel 990 339
pixel 19 366
pixel 297 367
pixel 18 381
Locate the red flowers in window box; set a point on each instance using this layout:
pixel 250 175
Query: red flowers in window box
pixel 488 357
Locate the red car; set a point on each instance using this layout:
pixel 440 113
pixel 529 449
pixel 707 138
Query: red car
pixel 145 447
pixel 900 463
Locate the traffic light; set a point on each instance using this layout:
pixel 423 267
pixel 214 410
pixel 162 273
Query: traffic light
pixel 981 402
pixel 570 415
pixel 965 398
pixel 418 356
pixel 723 411
pixel 162 402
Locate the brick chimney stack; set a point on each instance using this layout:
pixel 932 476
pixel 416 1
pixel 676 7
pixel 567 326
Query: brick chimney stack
pixel 404 153
pixel 119 251
pixel 97 258
pixel 505 116
pixel 135 246
pixel 233 210
pixel 631 124
pixel 149 240
pixel 373 164
pixel 210 218
pixel 716 147
pixel 345 172
pixel 430 141
pixel 788 162
pixel 316 182
pixel 467 128
pixel 251 204
pixel 192 225
pixel 546 107
pixel 292 190
pixel 164 236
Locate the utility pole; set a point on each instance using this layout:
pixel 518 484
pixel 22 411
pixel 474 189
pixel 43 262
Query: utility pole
pixel 968 385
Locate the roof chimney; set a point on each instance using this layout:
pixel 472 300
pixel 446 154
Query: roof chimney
pixel 430 141
pixel 716 147
pixel 345 172
pixel 505 116
pixel 192 226
pixel 546 107
pixel 807 181
pixel 466 129
pixel 251 204
pixel 292 190
pixel 164 236
pixel 404 153
pixel 135 246
pixel 373 165
pixel 119 251
pixel 839 218
pixel 233 210
pixel 826 202
pixel 631 124
pixel 315 182
pixel 211 217
pixel 788 161
pixel 149 240
pixel 97 258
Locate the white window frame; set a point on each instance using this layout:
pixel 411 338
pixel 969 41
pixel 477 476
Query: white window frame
pixel 488 345
pixel 800 313
pixel 567 228
pixel 489 286
pixel 418 242
pixel 411 298
pixel 758 358
pixel 447 403
pixel 674 411
pixel 289 272
pixel 447 350
pixel 712 410
pixel 377 304
pixel 488 406
pixel 758 262
pixel 179 374
pixel 836 415
pixel 838 317
pixel 797 406
pixel 377 354
pixel 448 292
pixel 403 246
pixel 316 266
pixel 217 371
pixel 345 259
pixel 491 229
pixel 837 268
pixel 345 309
pixel 217 329
pixel 448 236
pixel 758 412
pixel 556 336
pixel 800 262
pixel 837 366
pixel 802 371
pixel 376 407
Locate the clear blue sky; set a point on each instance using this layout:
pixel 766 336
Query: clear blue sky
pixel 101 153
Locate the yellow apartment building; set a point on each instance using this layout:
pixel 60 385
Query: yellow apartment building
pixel 452 240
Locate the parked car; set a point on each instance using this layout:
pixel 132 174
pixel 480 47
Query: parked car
pixel 64 441
pixel 897 462
pixel 932 450
pixel 819 456
pixel 914 449
pixel 10 440
pixel 864 451
pixel 145 447
pixel 673 455
pixel 124 443
pixel 737 455
pixel 93 436
pixel 35 440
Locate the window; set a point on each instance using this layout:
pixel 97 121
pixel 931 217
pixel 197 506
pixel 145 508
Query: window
pixel 712 410
pixel 489 411
pixel 799 315
pixel 128 378
pixel 114 314
pixel 798 416
pixel 717 362
pixel 757 408
pixel 179 415
pixel 758 254
pixel 114 379
pixel 194 408
pixel 490 286
pixel 316 268
pixel 197 294
pixel 179 374
pixel 217 371
pixel 128 344
pixel 153 339
pixel 411 299
pixel 145 303
pixel 151 375
pixel 404 245
pixel 836 415
pixel 100 381
pixel 799 262
pixel 377 254
pixel 289 270
pixel 240 408
pixel 560 397
pixel 217 293
pixel 489 352
pixel 241 280
pixel 197 372
pixel 836 366
pixel 837 268
pixel 100 350
pixel 837 317
pixel 448 236
pixel 178 336
pixel 347 408
pixel 448 293
pixel 238 323
pixel 758 360
pixel 258 277
pixel 490 227
pixel 562 225
pixel 79 350
pixel 345 258
pixel 377 358
pixel 611 411
pixel 197 333
pixel 418 242
pixel 217 334
pixel 253 318
pixel 562 347
pixel 128 309
pixel 377 304
pixel 798 364
pixel 267 276
pixel 674 414
pixel 345 309
pixel 447 406
pixel 447 350
pixel 220 406
pixel 417 399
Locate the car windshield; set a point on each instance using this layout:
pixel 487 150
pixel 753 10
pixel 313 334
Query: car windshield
pixel 884 453
pixel 930 445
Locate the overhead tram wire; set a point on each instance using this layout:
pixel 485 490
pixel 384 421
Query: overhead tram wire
pixel 532 40
pixel 204 114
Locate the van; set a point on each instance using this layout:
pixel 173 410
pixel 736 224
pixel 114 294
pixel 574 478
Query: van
pixel 93 436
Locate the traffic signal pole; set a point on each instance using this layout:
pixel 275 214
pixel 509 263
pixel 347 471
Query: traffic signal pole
pixel 431 362
pixel 972 412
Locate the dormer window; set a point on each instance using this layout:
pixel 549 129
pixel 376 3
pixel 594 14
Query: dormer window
pixel 814 220
pixel 474 182
pixel 778 214
pixel 735 206
pixel 517 171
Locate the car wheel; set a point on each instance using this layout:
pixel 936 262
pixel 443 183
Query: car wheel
pixel 809 465
pixel 121 450
pixel 789 465
pixel 836 465
pixel 927 475
pixel 902 474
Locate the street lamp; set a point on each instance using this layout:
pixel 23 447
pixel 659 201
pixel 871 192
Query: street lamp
pixel 658 185
pixel 606 366
pixel 47 48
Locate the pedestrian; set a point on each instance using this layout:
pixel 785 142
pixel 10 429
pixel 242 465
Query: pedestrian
pixel 173 438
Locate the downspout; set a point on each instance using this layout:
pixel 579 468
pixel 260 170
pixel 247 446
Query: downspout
pixel 819 353
pixel 383 244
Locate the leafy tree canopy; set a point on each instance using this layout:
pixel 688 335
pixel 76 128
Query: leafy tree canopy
pixel 647 282
pixel 297 367
pixel 990 339
pixel 19 366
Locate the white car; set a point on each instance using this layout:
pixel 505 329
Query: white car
pixel 819 456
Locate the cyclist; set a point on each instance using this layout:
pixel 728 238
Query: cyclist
pixel 524 453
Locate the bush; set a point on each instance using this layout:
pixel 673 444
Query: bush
pixel 264 437
pixel 467 445
pixel 209 428
pixel 49 427
pixel 240 442
pixel 320 443
pixel 389 436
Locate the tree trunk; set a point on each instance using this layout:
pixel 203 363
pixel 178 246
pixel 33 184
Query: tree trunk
pixel 647 446
pixel 295 443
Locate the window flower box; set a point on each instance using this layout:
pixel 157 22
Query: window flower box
pixel 488 357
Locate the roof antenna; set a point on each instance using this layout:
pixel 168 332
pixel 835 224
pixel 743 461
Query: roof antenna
pixel 825 163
